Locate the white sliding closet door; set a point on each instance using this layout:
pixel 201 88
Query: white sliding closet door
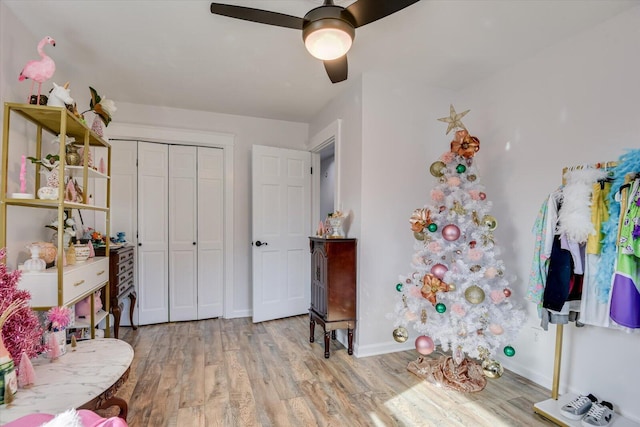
pixel 210 232
pixel 183 245
pixel 153 228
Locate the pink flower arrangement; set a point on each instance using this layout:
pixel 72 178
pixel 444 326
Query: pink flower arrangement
pixel 58 318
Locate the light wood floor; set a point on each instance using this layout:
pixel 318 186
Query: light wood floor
pixel 236 373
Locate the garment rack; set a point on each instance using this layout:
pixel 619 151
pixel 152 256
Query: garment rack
pixel 550 408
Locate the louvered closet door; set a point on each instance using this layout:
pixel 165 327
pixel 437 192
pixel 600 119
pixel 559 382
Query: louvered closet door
pixel 183 240
pixel 153 229
pixel 210 232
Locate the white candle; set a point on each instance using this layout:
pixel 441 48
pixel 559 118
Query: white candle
pixel 23 173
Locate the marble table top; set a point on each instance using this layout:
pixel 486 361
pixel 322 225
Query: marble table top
pixel 72 380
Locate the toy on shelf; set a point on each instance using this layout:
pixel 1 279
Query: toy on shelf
pixel 39 70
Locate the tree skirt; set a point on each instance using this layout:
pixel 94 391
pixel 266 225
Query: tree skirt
pixel 466 376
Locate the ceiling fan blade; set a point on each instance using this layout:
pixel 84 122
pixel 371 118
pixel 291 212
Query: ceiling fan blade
pixel 337 69
pixel 257 15
pixel 366 11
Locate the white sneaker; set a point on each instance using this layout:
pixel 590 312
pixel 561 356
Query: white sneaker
pixel 599 415
pixel 578 407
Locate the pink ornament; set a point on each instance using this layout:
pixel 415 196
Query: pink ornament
pixel 414 291
pixel 439 270
pixel 451 232
pixel 482 196
pixel 507 292
pixel 447 157
pixel 23 171
pixel 425 345
pixel 475 194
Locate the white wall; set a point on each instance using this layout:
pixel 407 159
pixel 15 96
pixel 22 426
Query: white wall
pixel 571 104
pixel 18 46
pixel 247 131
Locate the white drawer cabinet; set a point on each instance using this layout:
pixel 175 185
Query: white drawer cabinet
pixel 78 281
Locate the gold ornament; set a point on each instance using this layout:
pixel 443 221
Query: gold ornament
pixel 492 368
pixel 418 236
pixel 475 268
pixel 423 316
pixel 474 294
pixel 454 119
pixel 490 222
pixel 400 334
pixel 487 238
pixel 475 218
pixel 437 168
pixel 404 301
pixel 452 287
pixel 457 208
pixel 472 177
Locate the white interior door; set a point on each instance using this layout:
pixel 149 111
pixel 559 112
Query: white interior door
pixel 210 232
pixel 153 227
pixel 281 197
pixel 183 245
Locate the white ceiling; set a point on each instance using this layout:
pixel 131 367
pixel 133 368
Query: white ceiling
pixel 177 54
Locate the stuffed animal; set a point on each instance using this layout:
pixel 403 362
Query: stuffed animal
pixel 83 308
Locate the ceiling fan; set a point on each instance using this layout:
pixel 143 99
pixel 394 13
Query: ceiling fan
pixel 327 30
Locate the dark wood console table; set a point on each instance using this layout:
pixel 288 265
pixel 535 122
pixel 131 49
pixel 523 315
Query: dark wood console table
pixel 121 282
pixel 333 288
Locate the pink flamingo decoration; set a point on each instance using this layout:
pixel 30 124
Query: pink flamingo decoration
pixel 39 71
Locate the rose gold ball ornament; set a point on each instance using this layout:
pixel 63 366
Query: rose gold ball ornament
pixel 490 222
pixel 474 294
pixel 482 196
pixel 492 368
pixel 425 345
pixel 436 169
pixel 439 270
pixel 400 334
pixel 451 232
pixel 507 292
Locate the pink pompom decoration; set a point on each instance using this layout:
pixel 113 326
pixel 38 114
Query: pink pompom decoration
pixel 475 254
pixel 437 195
pixel 458 309
pixel 434 247
pixel 497 296
pixel 425 345
pixel 448 157
pixel 475 194
pixel 454 181
pixel 414 291
pixel 490 273
pixel 496 329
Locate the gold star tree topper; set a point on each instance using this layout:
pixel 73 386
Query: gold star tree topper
pixel 454 119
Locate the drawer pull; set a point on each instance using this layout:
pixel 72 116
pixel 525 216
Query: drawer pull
pixel 78 283
pixel 99 273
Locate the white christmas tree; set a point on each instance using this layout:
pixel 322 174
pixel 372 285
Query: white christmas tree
pixel 457 294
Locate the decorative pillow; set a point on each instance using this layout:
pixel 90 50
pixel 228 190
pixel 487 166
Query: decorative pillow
pixel 68 418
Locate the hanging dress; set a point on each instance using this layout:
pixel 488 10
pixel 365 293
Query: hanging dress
pixel 625 292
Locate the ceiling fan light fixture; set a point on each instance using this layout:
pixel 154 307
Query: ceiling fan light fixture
pixel 329 38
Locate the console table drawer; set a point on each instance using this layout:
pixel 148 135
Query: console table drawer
pixel 77 280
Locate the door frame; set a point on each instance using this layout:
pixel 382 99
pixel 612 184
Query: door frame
pixel 224 141
pixel 332 134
